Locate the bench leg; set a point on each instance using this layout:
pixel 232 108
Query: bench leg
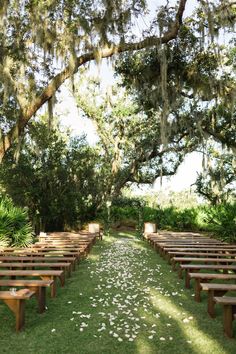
pixel 74 265
pixel 228 320
pixel 211 303
pixel 69 270
pixel 180 273
pixel 198 289
pixel 168 258
pixel 165 255
pixel 40 292
pixel 20 314
pixel 18 307
pixel 53 286
pixel 187 279
pixel 62 279
pixel 41 299
pixel 173 264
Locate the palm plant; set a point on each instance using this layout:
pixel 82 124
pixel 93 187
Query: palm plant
pixel 15 229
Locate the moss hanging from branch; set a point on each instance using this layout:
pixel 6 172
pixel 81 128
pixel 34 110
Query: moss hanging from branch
pixel 164 94
pixel 51 104
pixel 3 10
pixel 18 149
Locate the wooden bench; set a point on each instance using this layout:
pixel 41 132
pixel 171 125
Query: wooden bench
pixel 174 234
pixel 183 255
pixel 37 254
pixel 215 290
pixel 43 274
pixel 37 286
pixel 197 267
pixel 186 240
pixel 39 259
pixel 199 247
pixel 187 260
pixel 205 277
pixel 67 240
pixel 49 248
pixel 16 304
pixel 82 250
pixel 165 250
pixel 14 265
pixel 62 245
pixel 180 242
pixel 155 242
pixel 216 254
pixel 229 313
pixel 159 246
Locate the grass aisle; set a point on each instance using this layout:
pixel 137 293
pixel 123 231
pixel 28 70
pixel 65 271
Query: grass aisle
pixel 123 299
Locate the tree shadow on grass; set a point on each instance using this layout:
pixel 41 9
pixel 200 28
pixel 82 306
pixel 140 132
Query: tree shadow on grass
pixel 206 335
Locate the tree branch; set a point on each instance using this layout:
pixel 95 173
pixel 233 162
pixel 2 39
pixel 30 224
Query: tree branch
pixel 8 139
pixel 149 179
pixel 221 138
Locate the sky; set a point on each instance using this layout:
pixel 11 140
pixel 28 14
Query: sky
pixel 71 117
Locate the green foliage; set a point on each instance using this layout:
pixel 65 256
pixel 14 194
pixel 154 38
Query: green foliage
pixel 130 149
pixel 36 35
pixel 124 212
pixel 217 182
pixel 125 216
pixel 197 94
pixel 172 218
pixel 15 229
pixel 54 177
pixel 131 212
pixel 219 219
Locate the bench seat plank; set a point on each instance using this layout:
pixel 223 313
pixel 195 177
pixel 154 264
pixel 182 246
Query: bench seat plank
pixel 39 259
pixel 42 254
pixel 165 250
pixel 182 260
pixel 216 254
pixel 13 265
pixel 43 274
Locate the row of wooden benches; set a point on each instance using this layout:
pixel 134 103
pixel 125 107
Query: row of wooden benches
pixel 48 260
pixel 192 253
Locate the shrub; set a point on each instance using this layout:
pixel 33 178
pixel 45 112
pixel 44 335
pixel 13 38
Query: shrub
pixel 221 220
pixel 15 230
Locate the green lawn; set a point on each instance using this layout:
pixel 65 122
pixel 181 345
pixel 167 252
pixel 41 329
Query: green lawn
pixel 123 299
